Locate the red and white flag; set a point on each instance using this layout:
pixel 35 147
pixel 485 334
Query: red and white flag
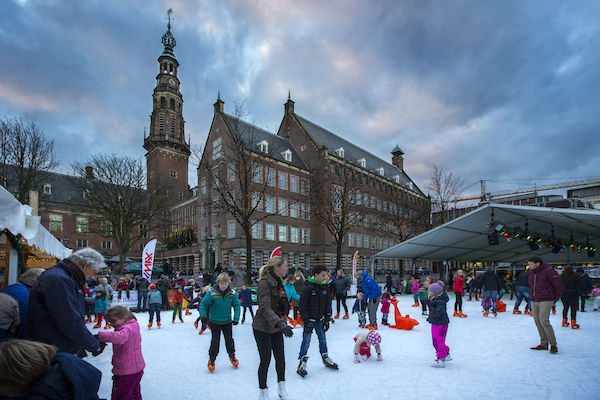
pixel 354 265
pixel 148 259
pixel 276 252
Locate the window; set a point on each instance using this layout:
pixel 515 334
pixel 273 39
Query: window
pixel 305 210
pixel 294 209
pixel 105 244
pixel 81 225
pixel 172 125
pixel 340 152
pixel 287 155
pixel 231 229
pixel 106 228
pixel 172 105
pixel 282 233
pixel 186 217
pixel 358 198
pixel 258 258
pixel 306 236
pixel 397 178
pixel 263 146
pixel 269 231
pixel 161 124
pixel 358 240
pixel 143 229
pixel 271 177
pixel 55 223
pixel 282 207
pixel 304 187
pixel 294 234
pixel 180 195
pixel 82 243
pixel 257 173
pixel 47 188
pixel 362 162
pixel 303 147
pixel 163 102
pixel 215 177
pixel 293 184
pixel 217 148
pixel 173 174
pixel 270 204
pixel 216 229
pixel 283 178
pixel 257 201
pixel 257 230
pixel 380 171
pixel 350 239
pixel 231 172
pixel 203 185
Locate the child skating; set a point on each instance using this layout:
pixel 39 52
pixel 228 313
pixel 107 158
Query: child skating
pixel 360 307
pixel 438 318
pixel 154 305
pixel 362 348
pixel 385 307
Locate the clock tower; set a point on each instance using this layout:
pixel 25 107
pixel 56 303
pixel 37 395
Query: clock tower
pixel 167 151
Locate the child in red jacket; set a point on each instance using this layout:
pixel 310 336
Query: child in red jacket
pixel 385 307
pixel 178 297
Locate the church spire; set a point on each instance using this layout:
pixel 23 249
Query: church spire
pixel 168 39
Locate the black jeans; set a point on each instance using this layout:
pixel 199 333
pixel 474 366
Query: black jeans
pixel 244 313
pixel 215 339
pixel 154 308
pixel 583 298
pixel 142 299
pixel 458 302
pixel 570 300
pixel 341 297
pixel 165 300
pixel 268 343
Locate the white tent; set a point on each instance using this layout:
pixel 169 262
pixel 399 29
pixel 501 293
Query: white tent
pixel 466 238
pixel 17 218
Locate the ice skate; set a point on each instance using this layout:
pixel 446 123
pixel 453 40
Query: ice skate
pixel 328 362
pixel 234 361
pixel 346 316
pixel 88 319
pixel 201 331
pixel 181 319
pixel 415 305
pixel 211 365
pixel 336 316
pixel 98 325
pixel 196 324
pixel 263 394
pixel 283 394
pixel 149 325
pixel 461 315
pixel 438 363
pixel 302 366
pixel 455 314
pixel 447 358
pixel 356 359
pixel 516 312
pixel 107 326
pixel 158 324
pixel 565 323
pixel 574 324
pixel 486 313
pixel 379 357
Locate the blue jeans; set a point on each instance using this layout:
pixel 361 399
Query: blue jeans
pixel 318 327
pixel 487 295
pixel 522 292
pixel 155 309
pixel 416 297
pixel 142 299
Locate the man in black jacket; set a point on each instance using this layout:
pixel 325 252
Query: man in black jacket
pixel 522 290
pixel 315 310
pixel 142 289
pixel 57 308
pixel 491 287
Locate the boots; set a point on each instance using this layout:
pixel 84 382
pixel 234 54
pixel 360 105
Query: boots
pixel 565 322
pixel 384 322
pixel 263 394
pixel 553 349
pixel 328 362
pixel 336 316
pixel 574 324
pixel 518 312
pixel 540 347
pixel 461 315
pixel 302 366
pixel 283 394
pixel 149 325
pixel 346 316
pixel 211 364
pixel 234 361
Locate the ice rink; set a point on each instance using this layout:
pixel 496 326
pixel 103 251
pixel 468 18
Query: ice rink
pixel 491 360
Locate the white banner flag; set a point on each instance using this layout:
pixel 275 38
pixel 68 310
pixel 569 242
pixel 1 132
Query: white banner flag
pixel 148 259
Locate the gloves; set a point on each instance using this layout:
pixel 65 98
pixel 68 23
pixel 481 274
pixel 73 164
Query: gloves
pixel 285 329
pixel 307 327
pixel 374 301
pixel 99 351
pixel 235 322
pixel 325 325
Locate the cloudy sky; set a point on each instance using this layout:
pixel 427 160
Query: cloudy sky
pixel 507 91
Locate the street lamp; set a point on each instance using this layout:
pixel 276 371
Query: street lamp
pixel 210 241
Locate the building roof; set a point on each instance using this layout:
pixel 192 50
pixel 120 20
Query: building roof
pixel 354 153
pixel 253 135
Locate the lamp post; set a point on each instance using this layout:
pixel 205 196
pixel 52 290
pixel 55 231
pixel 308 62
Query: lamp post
pixel 210 241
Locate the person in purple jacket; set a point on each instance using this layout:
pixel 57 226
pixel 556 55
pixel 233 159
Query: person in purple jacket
pixel 545 288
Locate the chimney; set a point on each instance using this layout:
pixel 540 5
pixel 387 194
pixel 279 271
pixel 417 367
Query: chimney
pixel 289 105
pixel 89 172
pixel 397 159
pixel 34 202
pixel 218 104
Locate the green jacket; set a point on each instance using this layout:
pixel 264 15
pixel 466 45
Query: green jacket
pixel 219 306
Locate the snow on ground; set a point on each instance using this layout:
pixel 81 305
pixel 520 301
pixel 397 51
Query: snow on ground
pixel 491 360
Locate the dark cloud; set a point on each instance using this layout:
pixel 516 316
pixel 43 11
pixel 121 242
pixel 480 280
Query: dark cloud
pixel 501 91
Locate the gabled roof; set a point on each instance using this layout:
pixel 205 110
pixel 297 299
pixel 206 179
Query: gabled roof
pixel 253 135
pixel 353 153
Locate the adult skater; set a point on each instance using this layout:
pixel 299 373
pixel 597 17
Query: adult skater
pixel 342 285
pixel 491 289
pixel 269 324
pixel 522 289
pixel 372 293
pixel 545 289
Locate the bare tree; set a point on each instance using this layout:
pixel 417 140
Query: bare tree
pixel 445 189
pixel 402 217
pixel 333 203
pixel 235 183
pixel 25 147
pixel 115 193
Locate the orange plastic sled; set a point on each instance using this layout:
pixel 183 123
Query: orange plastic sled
pixel 501 306
pixel 401 322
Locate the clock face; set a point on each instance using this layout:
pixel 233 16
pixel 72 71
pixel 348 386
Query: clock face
pixel 172 82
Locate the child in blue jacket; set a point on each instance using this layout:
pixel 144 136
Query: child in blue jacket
pixel 245 295
pixel 360 306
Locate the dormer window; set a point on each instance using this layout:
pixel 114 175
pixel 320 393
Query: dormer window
pixel 362 162
pixel 47 188
pixel 380 171
pixel 287 155
pixel 340 152
pixel 263 146
pixel 410 186
pixel 397 178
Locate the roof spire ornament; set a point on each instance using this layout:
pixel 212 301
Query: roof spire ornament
pixel 168 39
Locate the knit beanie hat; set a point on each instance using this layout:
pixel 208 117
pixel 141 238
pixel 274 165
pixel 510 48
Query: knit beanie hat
pixel 437 287
pixel 374 338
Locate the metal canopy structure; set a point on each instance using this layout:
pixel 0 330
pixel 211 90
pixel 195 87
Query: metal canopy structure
pixel 466 238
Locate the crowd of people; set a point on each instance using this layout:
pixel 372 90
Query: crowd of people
pixel 44 337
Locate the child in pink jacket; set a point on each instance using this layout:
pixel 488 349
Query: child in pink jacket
pixel 385 307
pixel 128 362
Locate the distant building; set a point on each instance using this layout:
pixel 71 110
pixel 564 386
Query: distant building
pixel 589 193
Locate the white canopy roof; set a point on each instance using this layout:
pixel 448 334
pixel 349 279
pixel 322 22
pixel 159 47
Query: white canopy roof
pixel 17 218
pixel 466 238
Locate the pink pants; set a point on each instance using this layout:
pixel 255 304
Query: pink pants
pixel 127 387
pixel 438 336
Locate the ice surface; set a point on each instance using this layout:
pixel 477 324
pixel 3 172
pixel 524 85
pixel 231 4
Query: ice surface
pixel 491 360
